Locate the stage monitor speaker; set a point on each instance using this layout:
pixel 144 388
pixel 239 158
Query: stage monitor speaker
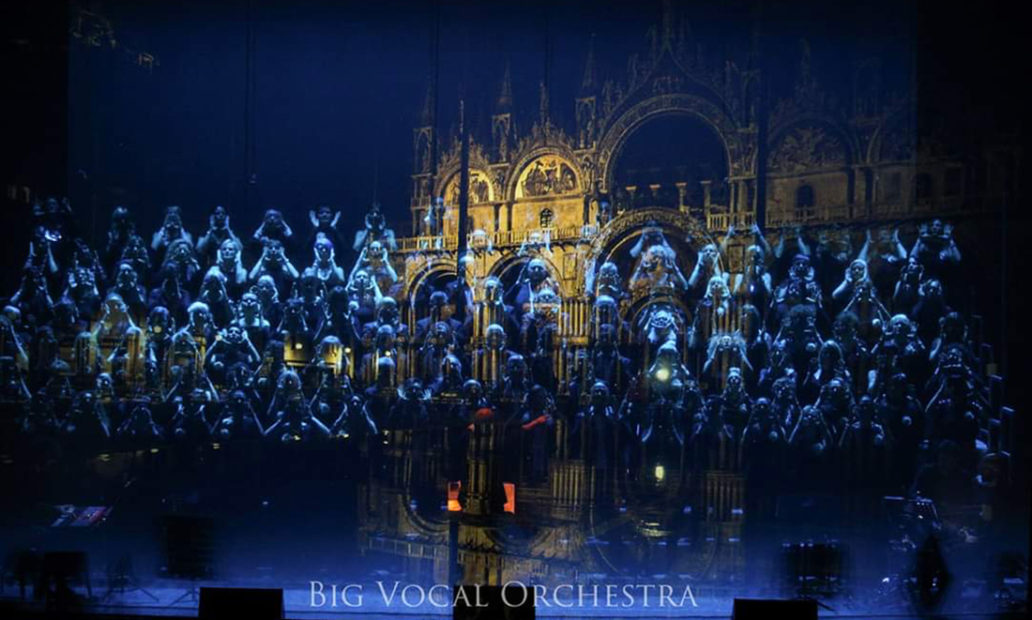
pixel 490 603
pixel 232 603
pixel 760 609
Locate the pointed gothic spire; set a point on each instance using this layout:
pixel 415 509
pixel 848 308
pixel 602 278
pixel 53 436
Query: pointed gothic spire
pixel 504 103
pixel 588 84
pixel 804 60
pixel 427 116
pixel 502 127
pixel 806 83
pixel 667 27
pixel 754 37
pixel 684 32
pixel 543 105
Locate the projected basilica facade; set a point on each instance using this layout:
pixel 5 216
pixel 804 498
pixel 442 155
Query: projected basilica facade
pixel 573 230
pixel 837 164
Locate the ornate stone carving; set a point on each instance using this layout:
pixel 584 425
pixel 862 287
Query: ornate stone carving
pixel 480 190
pixel 548 155
pixel 896 142
pixel 807 148
pixel 547 176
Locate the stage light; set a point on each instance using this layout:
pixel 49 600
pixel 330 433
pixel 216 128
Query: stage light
pixel 510 497
pixel 660 473
pixel 663 374
pixel 453 496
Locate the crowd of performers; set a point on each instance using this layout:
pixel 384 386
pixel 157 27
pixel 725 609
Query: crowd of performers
pixel 812 349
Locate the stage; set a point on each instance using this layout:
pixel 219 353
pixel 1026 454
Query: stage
pixel 321 518
pixel 644 308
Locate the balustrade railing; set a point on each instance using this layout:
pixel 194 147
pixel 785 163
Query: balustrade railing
pixel 717 221
pixel 719 217
pixel 810 215
pixel 501 238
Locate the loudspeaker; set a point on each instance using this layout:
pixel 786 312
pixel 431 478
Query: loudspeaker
pixel 232 603
pixel 490 603
pixel 760 609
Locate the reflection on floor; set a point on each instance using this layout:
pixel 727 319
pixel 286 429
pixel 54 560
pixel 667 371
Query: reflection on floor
pixel 547 515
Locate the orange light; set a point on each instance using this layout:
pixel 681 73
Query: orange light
pixel 510 497
pixel 453 496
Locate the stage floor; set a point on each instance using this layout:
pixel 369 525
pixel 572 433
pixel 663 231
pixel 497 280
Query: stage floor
pixel 283 519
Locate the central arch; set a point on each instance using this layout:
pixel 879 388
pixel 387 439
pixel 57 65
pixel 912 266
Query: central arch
pixel 621 129
pixel 667 150
pixel 509 268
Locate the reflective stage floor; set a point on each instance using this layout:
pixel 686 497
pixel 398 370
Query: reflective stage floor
pixel 261 516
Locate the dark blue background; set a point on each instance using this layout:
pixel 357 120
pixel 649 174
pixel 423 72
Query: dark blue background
pixel 338 88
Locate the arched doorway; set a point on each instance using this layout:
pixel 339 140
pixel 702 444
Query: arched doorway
pixel 435 278
pixel 510 271
pixel 664 152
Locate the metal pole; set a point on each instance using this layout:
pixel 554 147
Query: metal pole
pixel 463 194
pixel 453 549
pixel 435 69
pixel 250 178
pixel 761 124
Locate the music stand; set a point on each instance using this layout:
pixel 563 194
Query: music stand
pixel 188 552
pixel 122 579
